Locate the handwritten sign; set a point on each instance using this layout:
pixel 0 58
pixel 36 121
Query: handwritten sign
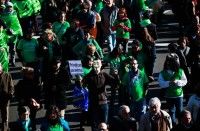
pixel 75 67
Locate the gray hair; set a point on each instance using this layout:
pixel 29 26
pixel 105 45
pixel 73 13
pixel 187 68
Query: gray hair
pixel 154 101
pixel 124 108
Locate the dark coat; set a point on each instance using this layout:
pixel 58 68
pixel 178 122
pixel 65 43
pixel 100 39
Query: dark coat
pixel 6 88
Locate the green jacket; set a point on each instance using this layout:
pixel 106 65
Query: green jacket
pixel 36 5
pixel 11 20
pixel 24 8
pixel 4 59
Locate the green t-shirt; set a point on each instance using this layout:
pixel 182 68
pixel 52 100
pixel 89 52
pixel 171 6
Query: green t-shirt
pixel 121 33
pixel 28 50
pixel 56 127
pixel 135 85
pixel 59 29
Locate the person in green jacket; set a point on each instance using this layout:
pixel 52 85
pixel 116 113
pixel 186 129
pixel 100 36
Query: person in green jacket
pixel 172 78
pixel 27 11
pixel 11 20
pixel 4 59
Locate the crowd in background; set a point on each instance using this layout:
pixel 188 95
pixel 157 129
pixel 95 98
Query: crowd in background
pixel 81 30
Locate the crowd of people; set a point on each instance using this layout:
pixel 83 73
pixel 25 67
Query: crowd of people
pixel 80 30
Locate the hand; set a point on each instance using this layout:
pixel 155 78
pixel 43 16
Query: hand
pixel 35 104
pixel 121 25
pixel 172 83
pixel 45 48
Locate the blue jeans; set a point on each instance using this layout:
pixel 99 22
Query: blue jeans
pixel 175 106
pixel 138 108
pixel 99 114
pixel 111 39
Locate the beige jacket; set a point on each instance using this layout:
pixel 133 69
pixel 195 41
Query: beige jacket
pixel 145 122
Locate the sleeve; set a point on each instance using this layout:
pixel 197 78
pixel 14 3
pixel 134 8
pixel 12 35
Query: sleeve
pixel 190 103
pixel 162 82
pixel 19 45
pixel 65 125
pixel 11 85
pixel 182 82
pixel 98 48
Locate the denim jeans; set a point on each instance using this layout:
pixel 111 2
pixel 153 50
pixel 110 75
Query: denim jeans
pixel 99 114
pixel 151 60
pixel 175 106
pixel 111 39
pixel 138 108
pixel 4 108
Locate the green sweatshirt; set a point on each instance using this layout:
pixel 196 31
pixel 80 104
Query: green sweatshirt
pixel 120 32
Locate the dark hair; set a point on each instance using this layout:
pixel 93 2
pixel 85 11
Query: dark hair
pixel 47 25
pixel 53 109
pixel 122 10
pixel 29 31
pixel 172 62
pixel 23 109
pixel 172 47
pixel 181 39
pixel 184 112
pixel 135 42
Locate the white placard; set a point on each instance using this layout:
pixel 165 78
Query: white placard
pixel 75 67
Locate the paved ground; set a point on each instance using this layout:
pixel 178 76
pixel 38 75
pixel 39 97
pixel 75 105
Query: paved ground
pixel 167 32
